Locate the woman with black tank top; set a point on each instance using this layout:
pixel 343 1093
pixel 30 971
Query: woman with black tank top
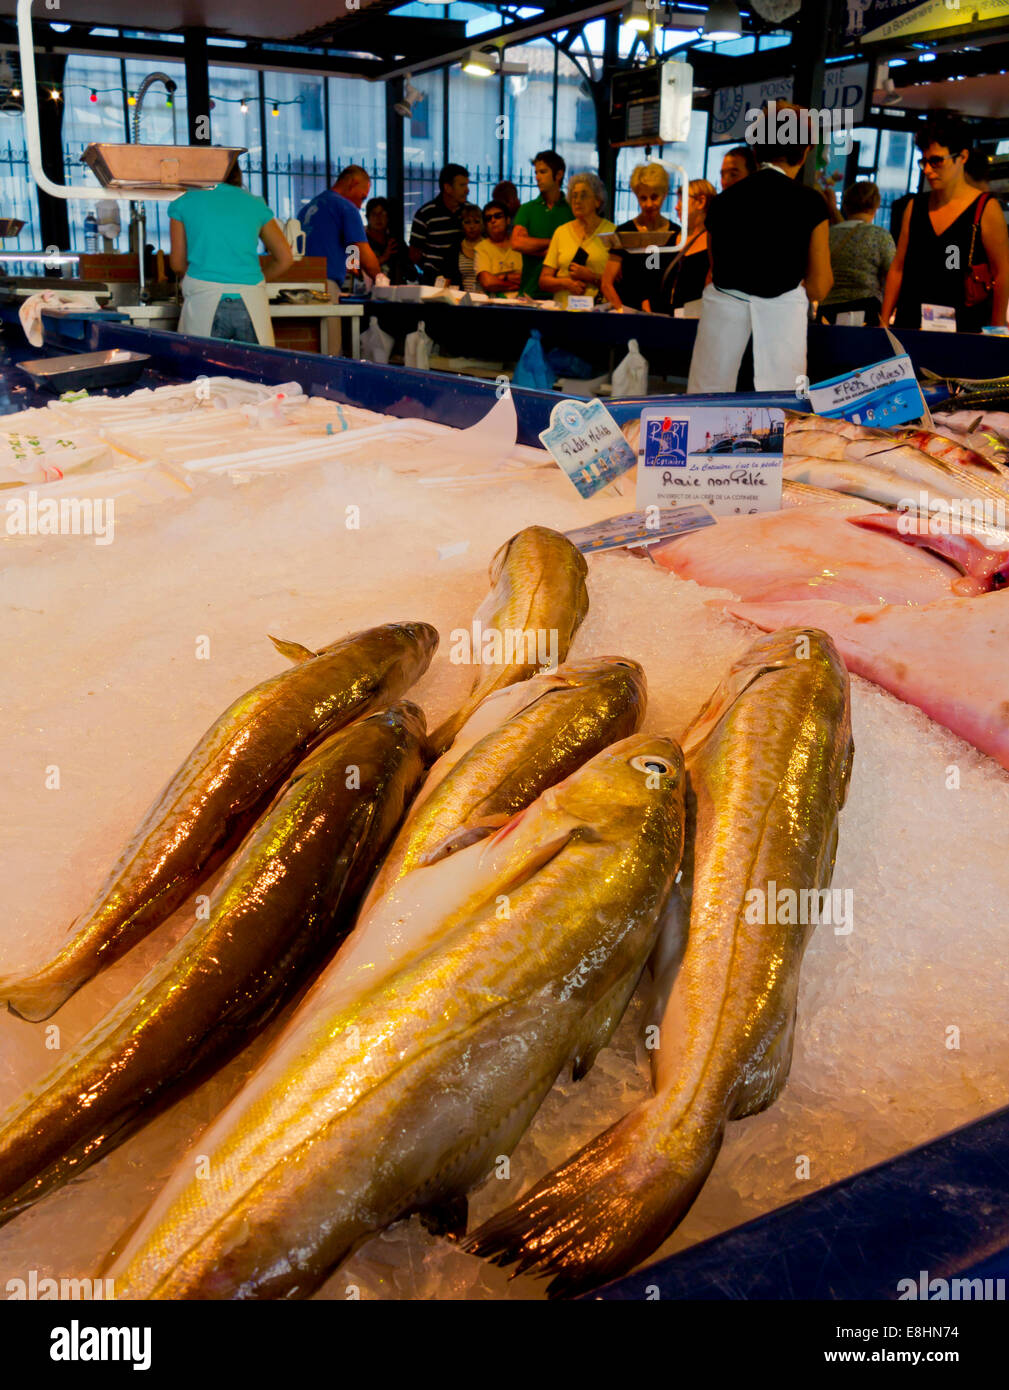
pixel 951 235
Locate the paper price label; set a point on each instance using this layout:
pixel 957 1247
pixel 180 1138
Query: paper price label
pixel 587 443
pixel 725 458
pixel 885 394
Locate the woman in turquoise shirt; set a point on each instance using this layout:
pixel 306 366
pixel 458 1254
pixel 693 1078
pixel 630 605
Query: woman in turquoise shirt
pixel 215 246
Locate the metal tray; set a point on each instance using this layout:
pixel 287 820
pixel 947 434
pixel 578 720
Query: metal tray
pixel 136 168
pixel 114 367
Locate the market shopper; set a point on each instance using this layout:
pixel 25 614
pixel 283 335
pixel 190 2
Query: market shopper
pixel 770 257
pixel 507 195
pixel 953 250
pixel 333 228
pixel 860 255
pixel 393 259
pixel 633 274
pixel 472 235
pixel 215 236
pixel 738 163
pixel 576 258
pixel 538 220
pixel 683 281
pixel 436 234
pixel 498 267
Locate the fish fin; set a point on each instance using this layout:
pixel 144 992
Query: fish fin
pixel 462 838
pixel 600 1024
pixel 605 1209
pixel 294 651
pixel 444 736
pixel 666 956
pixel 763 1084
pixel 448 1218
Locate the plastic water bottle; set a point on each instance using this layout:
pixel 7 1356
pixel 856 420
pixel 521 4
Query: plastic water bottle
pixel 91 234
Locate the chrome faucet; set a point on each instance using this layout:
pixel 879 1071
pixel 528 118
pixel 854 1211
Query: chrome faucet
pixel 138 213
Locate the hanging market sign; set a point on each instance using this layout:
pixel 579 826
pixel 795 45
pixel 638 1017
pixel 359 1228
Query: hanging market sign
pixel 845 91
pixel 877 21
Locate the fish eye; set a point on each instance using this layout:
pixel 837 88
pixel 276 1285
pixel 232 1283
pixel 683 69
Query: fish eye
pixel 626 665
pixel 652 765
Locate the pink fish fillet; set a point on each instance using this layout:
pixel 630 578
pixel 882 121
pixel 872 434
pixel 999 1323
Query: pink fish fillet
pixel 950 658
pixel 982 552
pixel 806 552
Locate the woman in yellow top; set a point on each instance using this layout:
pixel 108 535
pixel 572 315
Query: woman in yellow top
pixel 576 258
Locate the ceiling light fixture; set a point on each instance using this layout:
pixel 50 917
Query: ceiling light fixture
pixel 480 63
pixel 722 22
pixel 637 16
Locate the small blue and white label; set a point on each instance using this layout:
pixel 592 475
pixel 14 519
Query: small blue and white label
pixel 885 394
pixel 587 443
pixel 727 458
pixel 635 530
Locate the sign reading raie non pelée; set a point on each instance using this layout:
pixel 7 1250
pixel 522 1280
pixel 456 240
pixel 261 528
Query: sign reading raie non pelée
pixel 728 458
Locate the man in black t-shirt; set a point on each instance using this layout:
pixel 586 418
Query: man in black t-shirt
pixel 770 256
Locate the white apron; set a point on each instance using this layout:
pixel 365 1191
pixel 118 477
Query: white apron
pixel 201 298
pixel 728 318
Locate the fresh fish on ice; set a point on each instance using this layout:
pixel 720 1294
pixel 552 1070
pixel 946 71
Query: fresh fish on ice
pixel 804 552
pixel 410 1067
pixel 543 729
pixel 218 793
pixel 950 658
pixel 768 760
pixel 287 898
pixel 537 601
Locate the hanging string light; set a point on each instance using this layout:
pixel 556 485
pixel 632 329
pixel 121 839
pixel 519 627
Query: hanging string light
pixel 244 107
pixel 131 99
pixel 276 109
pixel 93 96
pixel 54 94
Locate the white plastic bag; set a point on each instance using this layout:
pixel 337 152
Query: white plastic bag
pixel 630 377
pixel 417 349
pixel 375 345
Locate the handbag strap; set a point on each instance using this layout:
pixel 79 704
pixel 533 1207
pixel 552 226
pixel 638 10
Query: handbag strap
pixel 982 203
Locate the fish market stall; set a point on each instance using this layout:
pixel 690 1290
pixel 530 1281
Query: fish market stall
pixel 263 495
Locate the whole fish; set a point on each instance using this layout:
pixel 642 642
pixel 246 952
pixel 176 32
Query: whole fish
pixel 951 450
pixel 795 494
pixel 536 605
pixel 768 761
pixel 564 717
pixel 287 898
pixel 418 1058
pixel 877 482
pixel 219 792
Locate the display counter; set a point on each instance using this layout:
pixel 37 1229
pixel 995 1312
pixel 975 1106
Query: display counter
pixel 941 1207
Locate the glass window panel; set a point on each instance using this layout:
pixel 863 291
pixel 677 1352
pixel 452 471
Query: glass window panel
pixel 529 107
pixel 357 127
pixel 423 151
pixel 295 141
pixel 230 125
pixel 474 105
pixel 576 117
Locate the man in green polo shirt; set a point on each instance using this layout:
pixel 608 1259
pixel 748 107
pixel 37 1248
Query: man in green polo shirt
pixel 536 222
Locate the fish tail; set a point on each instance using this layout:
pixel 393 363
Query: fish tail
pixel 37 998
pixel 604 1210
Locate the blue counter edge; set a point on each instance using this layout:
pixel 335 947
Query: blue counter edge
pixel 942 1207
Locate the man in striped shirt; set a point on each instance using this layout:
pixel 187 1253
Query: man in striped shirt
pixel 436 233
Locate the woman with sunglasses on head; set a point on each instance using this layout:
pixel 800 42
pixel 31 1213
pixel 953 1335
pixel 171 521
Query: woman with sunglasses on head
pixel 953 250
